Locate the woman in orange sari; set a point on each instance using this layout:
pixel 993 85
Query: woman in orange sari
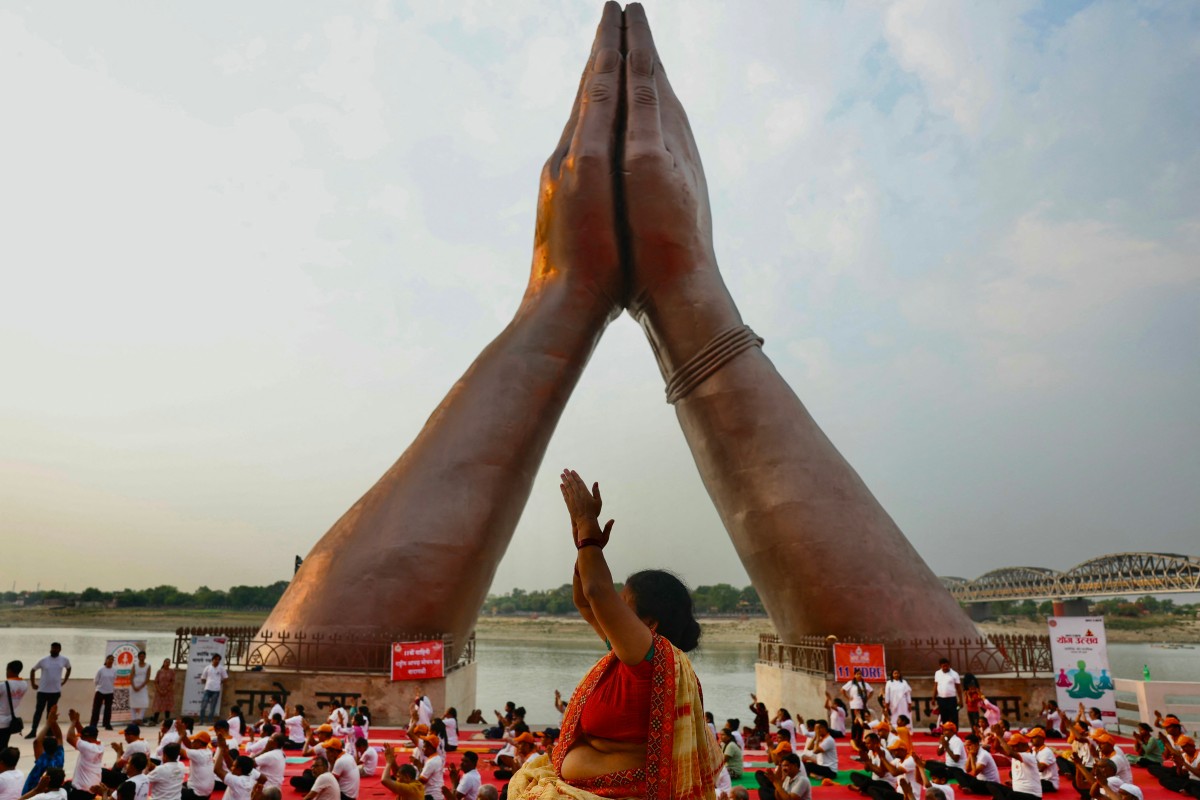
pixel 635 724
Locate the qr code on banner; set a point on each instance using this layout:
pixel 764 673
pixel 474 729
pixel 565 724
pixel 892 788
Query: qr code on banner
pixel 120 703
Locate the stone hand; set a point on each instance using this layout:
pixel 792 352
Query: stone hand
pixel 575 238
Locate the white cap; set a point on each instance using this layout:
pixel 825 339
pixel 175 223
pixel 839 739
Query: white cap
pixel 1115 783
pixel 1131 790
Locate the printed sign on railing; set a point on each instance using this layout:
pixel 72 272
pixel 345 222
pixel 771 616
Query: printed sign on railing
pixel 866 657
pixel 414 661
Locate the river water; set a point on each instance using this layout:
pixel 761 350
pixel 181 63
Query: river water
pixel 529 672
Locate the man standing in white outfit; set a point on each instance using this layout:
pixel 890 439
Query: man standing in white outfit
pixel 213 676
pixel 56 670
pixel 947 689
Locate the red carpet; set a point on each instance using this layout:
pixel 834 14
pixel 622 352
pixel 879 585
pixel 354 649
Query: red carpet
pixel 926 746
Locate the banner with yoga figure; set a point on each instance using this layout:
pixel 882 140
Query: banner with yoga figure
pixel 1079 651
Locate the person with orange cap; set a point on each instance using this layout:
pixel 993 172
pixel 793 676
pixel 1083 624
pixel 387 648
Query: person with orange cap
pixel 953 751
pixel 1186 776
pixel 432 776
pixel 1106 747
pixel 344 768
pixel 1026 777
pixel 201 776
pixel 1046 758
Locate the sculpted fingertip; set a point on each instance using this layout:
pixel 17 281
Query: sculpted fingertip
pixel 607 61
pixel 642 62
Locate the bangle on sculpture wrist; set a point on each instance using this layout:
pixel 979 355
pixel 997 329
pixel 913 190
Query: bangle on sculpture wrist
pixel 714 355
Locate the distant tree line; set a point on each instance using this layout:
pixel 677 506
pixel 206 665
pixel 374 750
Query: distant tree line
pixel 1118 607
pixel 719 599
pixel 235 598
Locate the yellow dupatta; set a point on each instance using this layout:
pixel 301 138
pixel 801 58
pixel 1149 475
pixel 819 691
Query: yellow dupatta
pixel 682 757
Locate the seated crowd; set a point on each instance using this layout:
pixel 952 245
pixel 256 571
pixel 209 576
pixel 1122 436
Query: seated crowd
pixel 249 761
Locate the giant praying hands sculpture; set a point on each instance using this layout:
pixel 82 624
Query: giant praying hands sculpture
pixel 623 221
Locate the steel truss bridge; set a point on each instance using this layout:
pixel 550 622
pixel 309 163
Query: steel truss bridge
pixel 1107 576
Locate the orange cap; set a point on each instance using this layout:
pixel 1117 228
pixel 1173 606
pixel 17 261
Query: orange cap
pixel 950 726
pixel 783 747
pixel 526 738
pixel 325 729
pixel 420 730
pixel 1037 733
pixel 1018 738
pixel 1171 719
pixel 432 740
pixel 202 736
pixel 332 744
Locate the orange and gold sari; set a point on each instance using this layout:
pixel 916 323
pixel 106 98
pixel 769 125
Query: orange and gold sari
pixel 682 757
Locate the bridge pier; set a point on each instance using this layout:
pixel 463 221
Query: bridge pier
pixel 1075 607
pixel 980 612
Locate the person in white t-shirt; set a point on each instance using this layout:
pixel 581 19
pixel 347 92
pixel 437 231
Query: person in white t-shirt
pixel 106 685
pixel 213 677
pixel 432 772
pixel 56 670
pixel 325 786
pixel 133 744
pixel 12 780
pixel 450 720
pixel 344 769
pixel 202 776
pixel 1047 760
pixel 236 772
pixel 981 768
pixel 294 728
pixel 367 757
pixel 10 698
pixel 837 716
pixel 271 762
pixel 820 754
pixel 49 786
pixel 88 767
pixel 1026 776
pixel 167 779
pixel 881 770
pixel 947 691
pixel 467 782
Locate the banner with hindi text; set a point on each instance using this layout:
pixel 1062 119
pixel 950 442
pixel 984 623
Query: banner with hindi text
pixel 866 657
pixel 1079 653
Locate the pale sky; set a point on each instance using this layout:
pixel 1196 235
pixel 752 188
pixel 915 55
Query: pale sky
pixel 246 249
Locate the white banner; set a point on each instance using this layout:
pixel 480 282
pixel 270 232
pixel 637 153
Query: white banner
pixel 1079 651
pixel 200 654
pixel 124 653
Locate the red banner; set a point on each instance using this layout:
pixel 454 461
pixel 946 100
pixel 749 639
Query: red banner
pixel 866 657
pixel 414 661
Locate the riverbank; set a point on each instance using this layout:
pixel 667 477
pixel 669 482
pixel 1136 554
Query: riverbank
pixel 717 630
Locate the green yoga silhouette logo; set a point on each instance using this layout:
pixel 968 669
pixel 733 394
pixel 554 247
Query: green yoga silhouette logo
pixel 1084 684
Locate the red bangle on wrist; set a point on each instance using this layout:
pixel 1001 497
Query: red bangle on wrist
pixel 589 543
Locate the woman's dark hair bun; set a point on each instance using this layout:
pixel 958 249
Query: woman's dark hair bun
pixel 662 596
